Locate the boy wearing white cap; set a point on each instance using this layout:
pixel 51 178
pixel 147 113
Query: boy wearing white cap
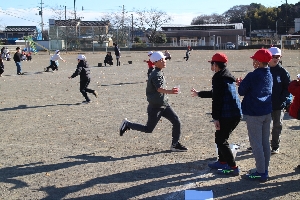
pixel 53 61
pixel 84 71
pixel 280 96
pixel 158 104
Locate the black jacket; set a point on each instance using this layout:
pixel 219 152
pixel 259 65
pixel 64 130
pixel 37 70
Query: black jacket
pixel 280 93
pixel 83 70
pixel 225 99
pixel 117 51
pixel 108 58
pixel 17 57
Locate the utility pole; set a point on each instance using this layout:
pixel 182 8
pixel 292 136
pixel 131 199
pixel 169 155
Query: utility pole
pixel 123 12
pixel 42 23
pixel 132 28
pixel 286 18
pixel 74 9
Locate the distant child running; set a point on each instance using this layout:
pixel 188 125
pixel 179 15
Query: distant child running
pixel 84 71
pixel 53 61
pixel 150 64
pixel 158 105
pixel 1 67
pixel 187 54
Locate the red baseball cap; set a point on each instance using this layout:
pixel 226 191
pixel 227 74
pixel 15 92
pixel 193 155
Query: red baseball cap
pixel 219 57
pixel 262 55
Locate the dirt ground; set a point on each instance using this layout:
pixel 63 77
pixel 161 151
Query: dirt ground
pixel 53 147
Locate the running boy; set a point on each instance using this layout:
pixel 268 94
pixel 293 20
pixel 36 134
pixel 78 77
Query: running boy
pixel 84 71
pixel 158 104
pixel 53 61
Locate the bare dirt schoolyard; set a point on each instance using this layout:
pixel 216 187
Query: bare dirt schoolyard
pixel 53 147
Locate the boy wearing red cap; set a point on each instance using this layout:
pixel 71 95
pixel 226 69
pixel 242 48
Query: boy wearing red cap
pixel 256 88
pixel 226 112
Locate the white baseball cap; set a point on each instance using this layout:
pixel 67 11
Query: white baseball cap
pixel 57 51
pixel 156 56
pixel 150 53
pixel 298 76
pixel 81 57
pixel 275 51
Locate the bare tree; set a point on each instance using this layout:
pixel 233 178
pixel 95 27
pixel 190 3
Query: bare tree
pixel 118 29
pixel 59 13
pixel 153 19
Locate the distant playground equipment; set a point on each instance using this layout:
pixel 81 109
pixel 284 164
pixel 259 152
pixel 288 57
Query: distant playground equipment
pixel 30 45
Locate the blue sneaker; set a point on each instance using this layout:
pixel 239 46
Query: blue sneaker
pixel 229 171
pixel 217 165
pixel 262 177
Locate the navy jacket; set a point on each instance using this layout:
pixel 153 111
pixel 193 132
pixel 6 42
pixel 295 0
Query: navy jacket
pixel 83 70
pixel 256 88
pixel 225 99
pixel 280 93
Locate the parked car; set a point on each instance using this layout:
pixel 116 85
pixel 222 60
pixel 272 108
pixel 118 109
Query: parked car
pixel 230 45
pixel 243 43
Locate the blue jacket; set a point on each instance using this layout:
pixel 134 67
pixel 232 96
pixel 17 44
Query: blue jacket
pixel 256 88
pixel 280 93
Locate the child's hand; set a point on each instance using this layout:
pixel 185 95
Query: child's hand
pixel 194 92
pixel 145 60
pixel 175 90
pixel 238 81
pixel 70 77
pixel 217 124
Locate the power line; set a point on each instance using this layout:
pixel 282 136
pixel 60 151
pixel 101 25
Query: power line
pixel 17 16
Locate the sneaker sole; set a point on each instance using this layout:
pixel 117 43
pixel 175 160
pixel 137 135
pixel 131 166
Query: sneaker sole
pixel 226 174
pixel 178 150
pixel 123 124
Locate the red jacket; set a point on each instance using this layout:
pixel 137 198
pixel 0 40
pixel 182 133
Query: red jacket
pixel 294 89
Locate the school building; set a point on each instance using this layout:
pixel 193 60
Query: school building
pixel 217 35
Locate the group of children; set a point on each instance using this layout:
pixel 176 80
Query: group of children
pixel 266 93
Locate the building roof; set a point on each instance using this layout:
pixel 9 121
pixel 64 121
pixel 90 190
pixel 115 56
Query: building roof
pixel 72 22
pixel 202 26
pixel 20 29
